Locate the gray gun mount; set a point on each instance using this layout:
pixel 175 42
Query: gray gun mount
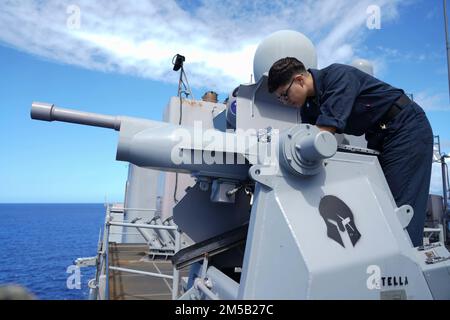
pixel 154 144
pixel 322 224
pixel 157 145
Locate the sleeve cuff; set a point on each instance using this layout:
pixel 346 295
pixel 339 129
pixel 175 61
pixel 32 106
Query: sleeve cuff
pixel 330 122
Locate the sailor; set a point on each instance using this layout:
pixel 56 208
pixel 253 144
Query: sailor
pixel 343 99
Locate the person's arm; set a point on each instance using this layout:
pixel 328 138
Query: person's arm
pixel 329 129
pixel 341 88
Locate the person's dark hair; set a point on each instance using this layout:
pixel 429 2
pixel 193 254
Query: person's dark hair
pixel 282 72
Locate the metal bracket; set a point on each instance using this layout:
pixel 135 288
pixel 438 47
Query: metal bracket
pixel 359 150
pixel 259 174
pixel 404 214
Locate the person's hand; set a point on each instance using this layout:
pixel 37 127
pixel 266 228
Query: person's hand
pixel 329 129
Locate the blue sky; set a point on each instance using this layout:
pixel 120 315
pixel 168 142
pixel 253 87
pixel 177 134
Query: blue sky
pixel 118 61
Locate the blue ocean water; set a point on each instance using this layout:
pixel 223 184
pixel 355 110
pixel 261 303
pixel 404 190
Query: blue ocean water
pixel 38 242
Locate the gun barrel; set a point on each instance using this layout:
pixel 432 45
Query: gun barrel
pixel 49 112
pixel 158 145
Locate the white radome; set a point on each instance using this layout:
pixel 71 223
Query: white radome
pixel 282 44
pixel 363 65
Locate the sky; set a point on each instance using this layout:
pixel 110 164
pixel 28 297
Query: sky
pixel 115 57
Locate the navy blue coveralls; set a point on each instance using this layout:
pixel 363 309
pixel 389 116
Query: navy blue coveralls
pixel 356 103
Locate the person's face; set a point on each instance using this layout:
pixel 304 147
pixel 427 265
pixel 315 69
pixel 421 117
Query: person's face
pixel 293 93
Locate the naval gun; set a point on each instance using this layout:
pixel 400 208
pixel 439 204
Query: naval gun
pixel 321 222
pixel 155 144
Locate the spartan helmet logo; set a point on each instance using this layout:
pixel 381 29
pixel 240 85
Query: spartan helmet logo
pixel 339 220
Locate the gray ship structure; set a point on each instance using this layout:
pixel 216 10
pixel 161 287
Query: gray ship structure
pixel 240 200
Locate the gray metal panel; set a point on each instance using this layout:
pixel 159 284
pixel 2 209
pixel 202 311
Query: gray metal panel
pixel 175 184
pixel 289 254
pixel 258 109
pixel 202 219
pixel 273 266
pixel 220 121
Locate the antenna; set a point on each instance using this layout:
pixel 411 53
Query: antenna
pixel 178 64
pixel 183 88
pixel 447 44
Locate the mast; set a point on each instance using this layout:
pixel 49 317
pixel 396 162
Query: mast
pixel 446 43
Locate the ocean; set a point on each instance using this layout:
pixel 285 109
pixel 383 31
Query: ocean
pixel 40 241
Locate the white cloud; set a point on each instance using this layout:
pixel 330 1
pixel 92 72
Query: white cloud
pixel 432 101
pixel 218 38
pixel 393 55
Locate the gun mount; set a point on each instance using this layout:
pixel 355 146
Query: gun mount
pixel 320 219
pixel 159 145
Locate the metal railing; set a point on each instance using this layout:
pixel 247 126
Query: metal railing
pixel 439 231
pixel 105 248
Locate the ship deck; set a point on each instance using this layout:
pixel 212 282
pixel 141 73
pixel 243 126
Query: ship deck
pixel 130 286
